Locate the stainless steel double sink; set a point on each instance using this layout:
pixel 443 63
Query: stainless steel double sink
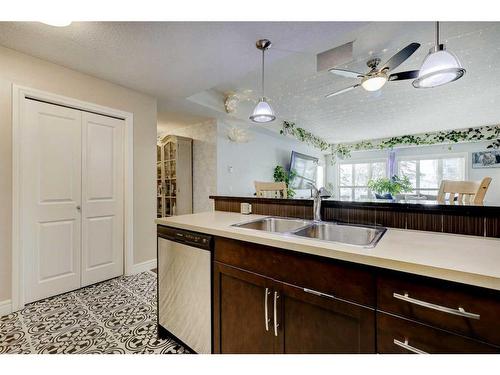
pixel 355 235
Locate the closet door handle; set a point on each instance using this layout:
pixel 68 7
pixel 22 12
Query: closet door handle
pixel 407 346
pixel 78 208
pixel 276 324
pixel 266 314
pixel 460 311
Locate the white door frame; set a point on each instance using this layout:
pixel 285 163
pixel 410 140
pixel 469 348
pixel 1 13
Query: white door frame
pixel 19 93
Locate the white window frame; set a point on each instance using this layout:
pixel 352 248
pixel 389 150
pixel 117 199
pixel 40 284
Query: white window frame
pixel 439 157
pixel 358 161
pixel 320 175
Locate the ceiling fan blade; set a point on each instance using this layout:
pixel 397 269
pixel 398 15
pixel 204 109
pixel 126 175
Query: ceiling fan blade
pixel 346 73
pixel 342 91
pixel 409 74
pixel 400 57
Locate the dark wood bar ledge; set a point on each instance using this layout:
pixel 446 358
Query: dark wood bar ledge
pixel 470 219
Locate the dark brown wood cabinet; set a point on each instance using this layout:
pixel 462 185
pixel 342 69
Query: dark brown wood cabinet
pixel 462 309
pixel 404 336
pixel 344 280
pixel 242 323
pixel 255 314
pixel 269 300
pixel 316 324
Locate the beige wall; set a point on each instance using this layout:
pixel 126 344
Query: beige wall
pixel 204 137
pixel 28 71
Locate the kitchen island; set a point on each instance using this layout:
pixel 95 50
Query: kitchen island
pixel 414 291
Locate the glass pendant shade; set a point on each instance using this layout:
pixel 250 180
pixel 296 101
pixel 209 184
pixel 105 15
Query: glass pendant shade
pixel 374 83
pixel 439 67
pixel 262 112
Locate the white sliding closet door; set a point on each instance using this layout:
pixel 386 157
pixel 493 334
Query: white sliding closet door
pixel 102 197
pixel 51 195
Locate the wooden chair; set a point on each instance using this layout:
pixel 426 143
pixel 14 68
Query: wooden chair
pixel 468 191
pixel 270 189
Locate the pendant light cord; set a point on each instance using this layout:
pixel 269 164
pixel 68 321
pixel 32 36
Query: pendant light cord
pixel 262 83
pixel 437 34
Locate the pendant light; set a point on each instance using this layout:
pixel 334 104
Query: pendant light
pixel 439 67
pixel 263 111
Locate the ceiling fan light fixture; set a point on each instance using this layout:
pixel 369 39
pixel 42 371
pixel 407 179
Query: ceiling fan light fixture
pixel 263 112
pixel 439 67
pixel 374 83
pixel 377 77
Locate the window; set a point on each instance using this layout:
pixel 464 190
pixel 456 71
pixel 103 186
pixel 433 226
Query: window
pixel 426 173
pixel 354 177
pixel 320 176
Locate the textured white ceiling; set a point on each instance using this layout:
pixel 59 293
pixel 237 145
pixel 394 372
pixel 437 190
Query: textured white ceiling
pixel 297 92
pixel 170 60
pixel 201 61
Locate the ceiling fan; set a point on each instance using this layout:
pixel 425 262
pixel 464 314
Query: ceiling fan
pixel 377 77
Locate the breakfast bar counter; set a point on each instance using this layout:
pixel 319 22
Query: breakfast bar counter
pixel 470 219
pixel 465 259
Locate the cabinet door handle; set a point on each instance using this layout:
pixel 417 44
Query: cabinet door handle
pixel 316 293
pixel 408 347
pixel 266 314
pixel 460 311
pixel 276 324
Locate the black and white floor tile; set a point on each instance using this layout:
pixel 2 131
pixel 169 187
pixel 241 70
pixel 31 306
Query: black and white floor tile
pixel 116 316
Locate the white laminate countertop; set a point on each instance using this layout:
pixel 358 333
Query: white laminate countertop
pixel 465 259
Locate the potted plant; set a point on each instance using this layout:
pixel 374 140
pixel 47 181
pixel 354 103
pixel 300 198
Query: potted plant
pixel 386 188
pixel 281 175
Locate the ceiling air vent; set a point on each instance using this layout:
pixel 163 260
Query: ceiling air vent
pixel 334 57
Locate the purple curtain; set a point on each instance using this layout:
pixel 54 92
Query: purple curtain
pixel 391 166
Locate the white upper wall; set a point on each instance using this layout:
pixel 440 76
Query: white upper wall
pixel 240 164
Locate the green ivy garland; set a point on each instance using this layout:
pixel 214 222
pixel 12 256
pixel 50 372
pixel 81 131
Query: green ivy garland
pixel 343 150
pixel 303 135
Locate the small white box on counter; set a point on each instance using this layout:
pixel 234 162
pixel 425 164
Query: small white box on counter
pixel 246 208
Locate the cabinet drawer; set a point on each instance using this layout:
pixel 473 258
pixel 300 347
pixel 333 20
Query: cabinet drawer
pixel 339 279
pixel 398 335
pixel 466 310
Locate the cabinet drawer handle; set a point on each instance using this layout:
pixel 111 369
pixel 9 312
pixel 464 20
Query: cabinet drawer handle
pixel 276 324
pixel 316 293
pixel 408 347
pixel 460 311
pixel 266 314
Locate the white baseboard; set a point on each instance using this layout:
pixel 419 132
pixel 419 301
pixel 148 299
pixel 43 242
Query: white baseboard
pixel 144 266
pixel 5 307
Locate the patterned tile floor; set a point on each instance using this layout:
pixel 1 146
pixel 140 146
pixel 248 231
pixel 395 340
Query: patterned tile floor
pixel 116 316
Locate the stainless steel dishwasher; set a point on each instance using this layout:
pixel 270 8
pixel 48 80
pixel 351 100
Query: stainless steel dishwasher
pixel 184 287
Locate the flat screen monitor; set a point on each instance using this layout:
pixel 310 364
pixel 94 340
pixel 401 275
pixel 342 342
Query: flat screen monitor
pixel 306 169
